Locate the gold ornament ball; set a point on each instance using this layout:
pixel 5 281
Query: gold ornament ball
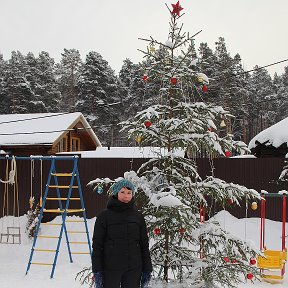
pixel 138 139
pixel 254 206
pixel 200 79
pixel 167 61
pixel 222 124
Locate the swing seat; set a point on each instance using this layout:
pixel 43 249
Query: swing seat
pixel 273 259
pixel 271 264
pixel 13 232
pixel 272 279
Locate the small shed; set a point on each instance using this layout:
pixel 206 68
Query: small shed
pixel 271 142
pixel 46 133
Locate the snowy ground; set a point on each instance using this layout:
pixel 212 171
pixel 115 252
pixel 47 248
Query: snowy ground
pixel 14 258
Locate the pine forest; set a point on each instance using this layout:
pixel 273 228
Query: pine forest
pixel 37 84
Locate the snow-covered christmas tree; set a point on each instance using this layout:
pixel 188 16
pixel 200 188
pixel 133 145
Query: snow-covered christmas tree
pixel 187 249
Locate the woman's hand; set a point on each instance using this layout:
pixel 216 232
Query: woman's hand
pixel 145 279
pixel 99 279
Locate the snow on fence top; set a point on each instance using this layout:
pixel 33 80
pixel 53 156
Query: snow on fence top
pixel 126 152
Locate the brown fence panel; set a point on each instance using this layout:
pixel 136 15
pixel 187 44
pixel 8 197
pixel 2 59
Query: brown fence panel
pixel 259 174
pixel 253 173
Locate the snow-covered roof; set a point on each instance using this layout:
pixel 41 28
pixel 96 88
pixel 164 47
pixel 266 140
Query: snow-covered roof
pixel 126 152
pixel 40 128
pixel 275 135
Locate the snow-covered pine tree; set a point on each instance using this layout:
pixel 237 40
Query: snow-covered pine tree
pixel 16 92
pixel 131 80
pixel 186 250
pixel 47 88
pixel 136 84
pixel 32 76
pixel 98 95
pixel 68 73
pixel 32 219
pixel 262 99
pixel 281 84
pixel 3 68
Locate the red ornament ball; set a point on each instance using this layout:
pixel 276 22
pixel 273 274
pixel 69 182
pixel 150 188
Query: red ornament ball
pixel 250 276
pixel 147 123
pixel 173 80
pixel 204 88
pixel 227 154
pixel 182 231
pixel 226 259
pixel 253 261
pixel 145 78
pixel 157 231
pixel 230 201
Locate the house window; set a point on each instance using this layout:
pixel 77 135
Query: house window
pixel 62 145
pixel 75 144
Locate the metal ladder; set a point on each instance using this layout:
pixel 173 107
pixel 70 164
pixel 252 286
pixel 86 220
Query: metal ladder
pixel 63 210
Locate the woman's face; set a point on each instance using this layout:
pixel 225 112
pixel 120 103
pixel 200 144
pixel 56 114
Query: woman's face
pixel 125 195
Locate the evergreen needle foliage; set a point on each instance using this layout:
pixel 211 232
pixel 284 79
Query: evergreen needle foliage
pixel 85 276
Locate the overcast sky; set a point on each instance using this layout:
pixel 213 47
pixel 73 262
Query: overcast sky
pixel 256 29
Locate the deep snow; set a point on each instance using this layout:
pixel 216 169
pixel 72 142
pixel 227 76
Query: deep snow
pixel 14 258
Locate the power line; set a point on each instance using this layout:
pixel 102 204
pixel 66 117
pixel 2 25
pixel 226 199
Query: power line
pixel 245 72
pixel 52 131
pixel 259 68
pixel 33 118
pixel 55 131
pixel 35 132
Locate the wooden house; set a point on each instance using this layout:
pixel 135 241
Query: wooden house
pixel 271 142
pixel 46 134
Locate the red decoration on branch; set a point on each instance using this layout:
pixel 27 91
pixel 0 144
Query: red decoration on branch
pixel 173 81
pixel 204 88
pixel 250 276
pixel 230 201
pixel 182 231
pixel 253 261
pixel 147 123
pixel 145 78
pixel 157 231
pixel 226 259
pixel 176 9
pixel 227 154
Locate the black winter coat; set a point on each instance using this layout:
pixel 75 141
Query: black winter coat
pixel 120 240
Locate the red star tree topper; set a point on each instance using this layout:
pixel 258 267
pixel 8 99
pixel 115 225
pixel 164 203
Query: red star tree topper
pixel 176 8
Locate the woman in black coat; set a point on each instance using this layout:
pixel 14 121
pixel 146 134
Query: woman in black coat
pixel 121 256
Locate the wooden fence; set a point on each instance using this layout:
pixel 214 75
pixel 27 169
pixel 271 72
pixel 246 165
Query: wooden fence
pixel 252 173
